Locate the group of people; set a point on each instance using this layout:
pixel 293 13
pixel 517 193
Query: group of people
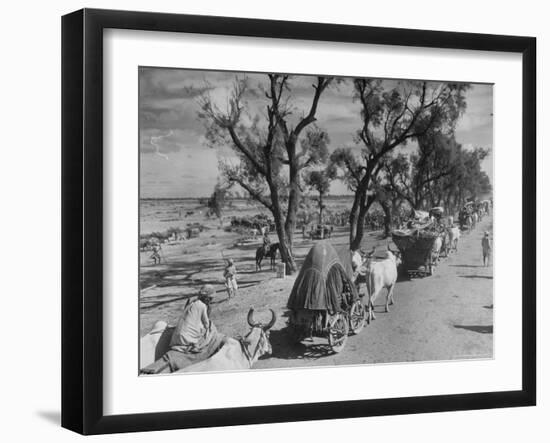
pixel 195 337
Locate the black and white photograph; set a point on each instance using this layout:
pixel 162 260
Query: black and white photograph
pixel 295 221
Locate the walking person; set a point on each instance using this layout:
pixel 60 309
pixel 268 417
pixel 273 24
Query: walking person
pixel 155 256
pixel 486 248
pixel 230 276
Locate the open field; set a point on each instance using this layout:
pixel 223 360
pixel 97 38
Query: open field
pixel 446 316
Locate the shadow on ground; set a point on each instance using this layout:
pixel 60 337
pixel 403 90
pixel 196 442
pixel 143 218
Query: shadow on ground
pixel 477 328
pixel 477 276
pixel 283 347
pixel 53 417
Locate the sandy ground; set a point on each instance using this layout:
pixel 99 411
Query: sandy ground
pixel 446 316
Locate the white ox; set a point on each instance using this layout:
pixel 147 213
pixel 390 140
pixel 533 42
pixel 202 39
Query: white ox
pixel 454 235
pixel 239 353
pixel 380 274
pixel 436 248
pixel 475 219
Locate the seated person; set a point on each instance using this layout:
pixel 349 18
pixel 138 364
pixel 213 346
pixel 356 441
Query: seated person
pixel 195 337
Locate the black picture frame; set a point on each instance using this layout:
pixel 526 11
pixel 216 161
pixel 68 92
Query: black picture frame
pixel 82 219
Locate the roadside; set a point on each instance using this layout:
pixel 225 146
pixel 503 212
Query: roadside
pixel 446 316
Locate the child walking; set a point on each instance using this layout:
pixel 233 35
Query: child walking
pixel 230 276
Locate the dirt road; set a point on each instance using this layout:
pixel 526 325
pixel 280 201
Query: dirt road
pixel 446 316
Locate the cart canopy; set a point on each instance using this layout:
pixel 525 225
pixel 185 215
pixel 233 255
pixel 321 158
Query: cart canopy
pixel 321 280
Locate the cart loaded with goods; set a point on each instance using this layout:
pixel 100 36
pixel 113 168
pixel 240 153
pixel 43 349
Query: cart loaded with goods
pixel 416 245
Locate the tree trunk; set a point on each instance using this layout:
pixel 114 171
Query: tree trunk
pixel 284 248
pixel 360 227
pixel 320 208
pixel 387 208
pixel 365 204
pixel 293 201
pixel 353 217
pixel 359 219
pixel 286 252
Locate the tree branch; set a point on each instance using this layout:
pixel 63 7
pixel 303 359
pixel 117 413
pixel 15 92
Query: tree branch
pixel 322 83
pixel 254 193
pixel 242 148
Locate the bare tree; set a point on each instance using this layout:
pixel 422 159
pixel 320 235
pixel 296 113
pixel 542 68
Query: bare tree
pixel 270 161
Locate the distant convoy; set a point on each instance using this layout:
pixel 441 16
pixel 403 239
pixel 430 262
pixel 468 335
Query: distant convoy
pixel 334 292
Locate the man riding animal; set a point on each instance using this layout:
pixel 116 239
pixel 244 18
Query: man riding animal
pixel 267 250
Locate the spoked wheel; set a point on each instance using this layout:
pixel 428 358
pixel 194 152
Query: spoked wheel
pixel 357 317
pixel 338 329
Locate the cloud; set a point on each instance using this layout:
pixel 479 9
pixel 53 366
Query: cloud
pixel 158 141
pixel 168 83
pixel 169 124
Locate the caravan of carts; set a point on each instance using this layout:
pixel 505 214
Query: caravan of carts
pixel 324 301
pixel 428 236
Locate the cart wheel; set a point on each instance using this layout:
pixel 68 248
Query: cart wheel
pixel 357 317
pixel 338 329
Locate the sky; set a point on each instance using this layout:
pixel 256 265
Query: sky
pixel 175 160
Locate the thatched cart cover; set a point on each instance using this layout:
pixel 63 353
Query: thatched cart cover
pixel 320 283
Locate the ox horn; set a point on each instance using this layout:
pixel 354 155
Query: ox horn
pixel 371 253
pixel 272 322
pixel 250 318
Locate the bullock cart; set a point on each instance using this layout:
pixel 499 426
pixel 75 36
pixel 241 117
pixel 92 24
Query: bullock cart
pixel 416 247
pixel 324 301
pixel 320 232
